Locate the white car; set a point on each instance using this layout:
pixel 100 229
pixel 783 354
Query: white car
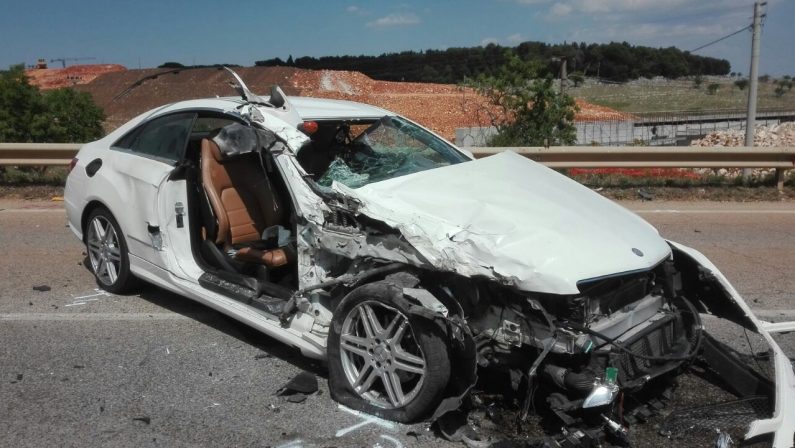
pixel 365 240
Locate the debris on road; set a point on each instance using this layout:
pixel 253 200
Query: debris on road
pixel 299 387
pixel 143 419
pixel 42 288
pixel 646 195
pixel 732 416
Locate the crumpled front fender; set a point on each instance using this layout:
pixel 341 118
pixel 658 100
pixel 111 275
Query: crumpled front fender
pixel 782 424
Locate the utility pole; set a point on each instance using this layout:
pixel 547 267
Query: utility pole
pixel 753 80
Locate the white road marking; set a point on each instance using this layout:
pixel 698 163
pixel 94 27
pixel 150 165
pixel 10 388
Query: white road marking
pixel 714 212
pixel 82 300
pixel 78 317
pixel 100 293
pixel 31 210
pixel 367 419
pixel 292 444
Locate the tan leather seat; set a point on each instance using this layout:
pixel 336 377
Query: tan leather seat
pixel 244 202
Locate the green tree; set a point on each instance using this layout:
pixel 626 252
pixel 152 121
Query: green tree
pixel 577 78
pixel 741 84
pixel 713 88
pixel 57 116
pixel 170 64
pixel 68 116
pixel 533 113
pixel 697 81
pixel 20 103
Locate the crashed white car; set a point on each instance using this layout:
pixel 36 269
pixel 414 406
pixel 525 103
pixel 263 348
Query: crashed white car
pixel 363 239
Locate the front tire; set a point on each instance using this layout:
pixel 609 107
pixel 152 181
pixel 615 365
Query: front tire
pixel 107 252
pixel 384 360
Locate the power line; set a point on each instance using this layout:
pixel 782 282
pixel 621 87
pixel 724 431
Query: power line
pixel 745 28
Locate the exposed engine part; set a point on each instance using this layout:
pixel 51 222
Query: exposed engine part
pixel 531 376
pixel 615 428
pixel 510 333
pixel 602 394
pixel 615 343
pixel 567 379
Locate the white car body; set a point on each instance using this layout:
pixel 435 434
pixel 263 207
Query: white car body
pixel 504 218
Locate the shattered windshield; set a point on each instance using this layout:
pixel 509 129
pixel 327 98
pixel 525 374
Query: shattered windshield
pixel 391 147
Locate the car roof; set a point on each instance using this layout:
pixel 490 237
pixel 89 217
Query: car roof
pixel 308 108
pixel 325 109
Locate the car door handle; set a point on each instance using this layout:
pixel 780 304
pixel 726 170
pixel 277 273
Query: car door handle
pixel 179 209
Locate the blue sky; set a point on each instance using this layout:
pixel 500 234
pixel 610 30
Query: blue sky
pixel 243 31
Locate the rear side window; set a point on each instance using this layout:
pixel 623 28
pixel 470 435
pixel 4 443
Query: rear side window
pixel 211 124
pixel 162 138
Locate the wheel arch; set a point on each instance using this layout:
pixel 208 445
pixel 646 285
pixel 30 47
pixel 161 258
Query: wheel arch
pixel 452 328
pixel 87 210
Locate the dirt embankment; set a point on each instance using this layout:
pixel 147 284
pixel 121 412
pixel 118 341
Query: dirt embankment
pixel 440 107
pixel 124 95
pixel 55 78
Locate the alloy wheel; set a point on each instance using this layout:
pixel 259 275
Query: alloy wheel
pixel 380 355
pixel 104 252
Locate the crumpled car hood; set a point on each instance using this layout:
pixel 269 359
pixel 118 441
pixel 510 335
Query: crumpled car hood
pixel 514 220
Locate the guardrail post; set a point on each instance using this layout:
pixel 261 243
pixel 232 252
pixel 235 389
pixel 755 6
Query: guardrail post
pixel 780 179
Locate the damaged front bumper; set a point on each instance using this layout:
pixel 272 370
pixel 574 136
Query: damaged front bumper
pixel 781 425
pixel 588 402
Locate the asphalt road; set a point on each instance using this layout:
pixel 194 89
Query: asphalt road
pixel 80 367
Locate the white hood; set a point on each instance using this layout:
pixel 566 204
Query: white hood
pixel 509 218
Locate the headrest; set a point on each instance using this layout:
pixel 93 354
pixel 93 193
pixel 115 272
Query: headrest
pixel 209 146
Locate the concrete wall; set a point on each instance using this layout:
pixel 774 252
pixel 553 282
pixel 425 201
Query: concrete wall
pixel 617 133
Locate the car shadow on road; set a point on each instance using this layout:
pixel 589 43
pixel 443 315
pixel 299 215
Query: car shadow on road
pixel 219 322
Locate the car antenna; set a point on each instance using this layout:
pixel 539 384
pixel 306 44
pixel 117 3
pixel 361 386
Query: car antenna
pixel 161 73
pixel 244 92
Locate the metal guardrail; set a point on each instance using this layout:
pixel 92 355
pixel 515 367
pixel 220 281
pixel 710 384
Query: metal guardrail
pixel 37 153
pixel 652 156
pixel 780 158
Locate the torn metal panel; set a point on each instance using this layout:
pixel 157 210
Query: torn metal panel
pixel 782 423
pixel 523 225
pixel 356 244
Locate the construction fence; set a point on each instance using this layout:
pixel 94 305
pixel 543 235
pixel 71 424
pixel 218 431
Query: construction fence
pixel 649 129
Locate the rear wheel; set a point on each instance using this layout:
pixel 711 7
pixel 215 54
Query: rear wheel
pixel 107 252
pixel 387 361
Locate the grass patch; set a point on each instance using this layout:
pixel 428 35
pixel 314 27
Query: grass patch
pixel 679 95
pixel 33 175
pixel 710 187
